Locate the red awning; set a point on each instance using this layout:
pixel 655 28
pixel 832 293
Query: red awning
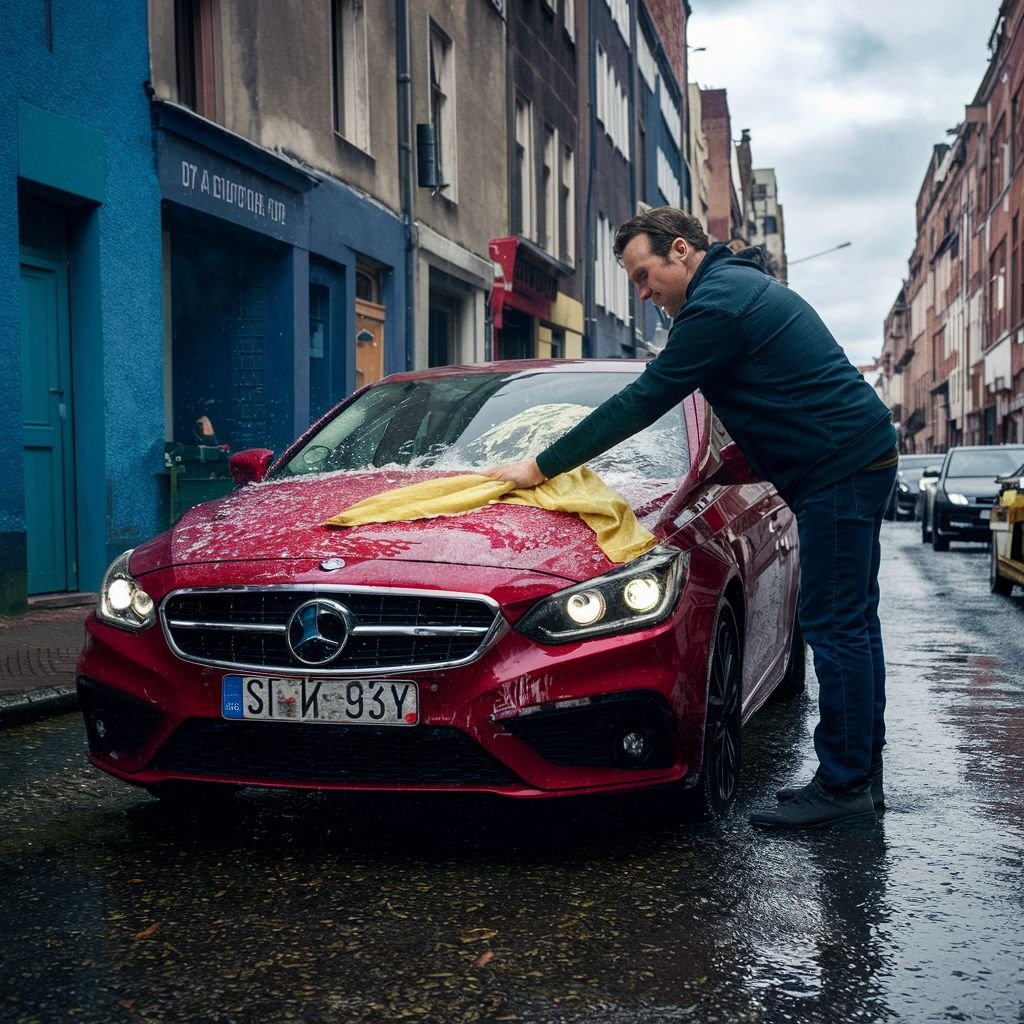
pixel 525 278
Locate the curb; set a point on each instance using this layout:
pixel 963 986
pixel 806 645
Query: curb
pixel 28 705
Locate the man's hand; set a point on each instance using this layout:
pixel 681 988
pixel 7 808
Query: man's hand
pixel 522 474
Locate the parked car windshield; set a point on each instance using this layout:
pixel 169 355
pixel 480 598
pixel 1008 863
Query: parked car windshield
pixel 989 462
pixel 483 419
pixel 912 466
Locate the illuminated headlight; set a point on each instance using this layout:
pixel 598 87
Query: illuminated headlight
pixel 958 499
pixel 123 603
pixel 639 594
pixel 904 487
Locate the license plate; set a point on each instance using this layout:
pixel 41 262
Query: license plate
pixel 337 701
pixel 986 513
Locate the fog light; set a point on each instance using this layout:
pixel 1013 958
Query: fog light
pixel 101 728
pixel 637 744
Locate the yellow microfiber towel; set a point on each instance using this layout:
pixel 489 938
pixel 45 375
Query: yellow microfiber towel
pixel 580 491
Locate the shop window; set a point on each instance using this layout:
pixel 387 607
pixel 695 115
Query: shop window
pixel 319 297
pixel 557 344
pixel 441 330
pixel 351 95
pixel 442 108
pixel 197 52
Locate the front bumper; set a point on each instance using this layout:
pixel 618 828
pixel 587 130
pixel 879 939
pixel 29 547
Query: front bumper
pixel 525 720
pixel 963 522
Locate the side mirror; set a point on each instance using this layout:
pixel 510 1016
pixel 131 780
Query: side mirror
pixel 930 472
pixel 734 468
pixel 250 466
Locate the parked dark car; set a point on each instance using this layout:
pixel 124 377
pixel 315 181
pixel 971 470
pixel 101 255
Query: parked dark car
pixel 495 651
pixel 966 490
pixel 908 474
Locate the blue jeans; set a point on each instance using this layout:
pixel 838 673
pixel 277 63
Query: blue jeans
pixel 840 552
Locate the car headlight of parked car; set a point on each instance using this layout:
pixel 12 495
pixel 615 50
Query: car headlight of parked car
pixel 639 594
pixel 958 499
pixel 123 603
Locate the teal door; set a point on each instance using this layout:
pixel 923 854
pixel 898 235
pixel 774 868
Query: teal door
pixel 46 410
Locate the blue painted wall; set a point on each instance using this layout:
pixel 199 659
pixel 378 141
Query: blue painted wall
pixel 74 117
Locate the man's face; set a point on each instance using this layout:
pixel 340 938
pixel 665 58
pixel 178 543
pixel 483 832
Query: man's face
pixel 663 280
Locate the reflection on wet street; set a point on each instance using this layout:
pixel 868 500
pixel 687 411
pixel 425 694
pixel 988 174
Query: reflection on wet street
pixel 369 908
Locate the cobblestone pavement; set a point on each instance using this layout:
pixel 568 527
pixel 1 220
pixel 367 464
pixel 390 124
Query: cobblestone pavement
pixel 38 652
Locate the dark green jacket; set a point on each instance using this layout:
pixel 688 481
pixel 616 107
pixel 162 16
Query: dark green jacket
pixel 784 389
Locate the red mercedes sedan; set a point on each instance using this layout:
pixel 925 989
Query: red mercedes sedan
pixel 498 650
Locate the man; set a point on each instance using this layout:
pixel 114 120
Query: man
pixel 807 421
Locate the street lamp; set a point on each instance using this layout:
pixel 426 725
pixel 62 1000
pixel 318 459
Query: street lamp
pixel 814 255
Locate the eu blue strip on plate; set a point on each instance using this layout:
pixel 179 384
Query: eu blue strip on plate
pixel 231 697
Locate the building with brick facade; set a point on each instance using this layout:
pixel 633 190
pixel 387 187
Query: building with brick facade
pixel 952 362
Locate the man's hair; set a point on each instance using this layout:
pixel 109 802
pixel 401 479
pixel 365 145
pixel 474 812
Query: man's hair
pixel 662 225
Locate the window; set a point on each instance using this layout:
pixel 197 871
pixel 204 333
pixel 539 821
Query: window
pixel 771 225
pixel 442 106
pixel 319 298
pixel 611 287
pixel 522 170
pixel 197 51
pixel 612 103
pixel 567 207
pixel 620 13
pixel 668 182
pixel 349 63
pixel 569 17
pixel 550 190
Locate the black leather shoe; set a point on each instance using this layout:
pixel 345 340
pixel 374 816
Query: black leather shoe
pixel 877 790
pixel 814 806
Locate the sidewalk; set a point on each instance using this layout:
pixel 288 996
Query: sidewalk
pixel 38 652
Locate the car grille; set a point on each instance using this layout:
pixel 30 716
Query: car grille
pixel 387 630
pixel 438 755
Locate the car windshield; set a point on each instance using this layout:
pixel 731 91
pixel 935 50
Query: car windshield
pixel 912 466
pixel 483 419
pixel 988 462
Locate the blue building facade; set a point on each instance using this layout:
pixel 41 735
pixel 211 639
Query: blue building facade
pixel 81 338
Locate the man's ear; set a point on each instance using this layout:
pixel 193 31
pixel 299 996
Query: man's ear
pixel 680 248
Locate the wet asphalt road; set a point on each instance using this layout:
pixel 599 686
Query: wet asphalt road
pixel 363 909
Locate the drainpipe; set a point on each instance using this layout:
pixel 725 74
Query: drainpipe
pixel 589 226
pixel 405 171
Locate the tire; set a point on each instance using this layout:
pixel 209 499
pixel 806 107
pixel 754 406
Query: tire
pixel 998 584
pixel 926 533
pixel 715 790
pixel 939 543
pixel 794 682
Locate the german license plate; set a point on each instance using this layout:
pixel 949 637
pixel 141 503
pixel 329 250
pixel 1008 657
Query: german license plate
pixel 337 701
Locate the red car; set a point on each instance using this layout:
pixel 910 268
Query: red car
pixel 497 651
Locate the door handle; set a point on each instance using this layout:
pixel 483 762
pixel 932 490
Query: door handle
pixel 773 525
pixel 57 391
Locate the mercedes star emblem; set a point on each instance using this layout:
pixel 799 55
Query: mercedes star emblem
pixel 317 631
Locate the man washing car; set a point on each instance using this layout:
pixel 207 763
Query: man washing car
pixel 808 422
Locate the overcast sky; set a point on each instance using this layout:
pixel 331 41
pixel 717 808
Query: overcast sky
pixel 845 101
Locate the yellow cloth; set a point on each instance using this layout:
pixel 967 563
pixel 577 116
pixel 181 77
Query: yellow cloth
pixel 580 491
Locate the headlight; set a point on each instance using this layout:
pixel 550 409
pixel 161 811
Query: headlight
pixel 641 593
pixel 123 603
pixel 958 499
pixel 904 487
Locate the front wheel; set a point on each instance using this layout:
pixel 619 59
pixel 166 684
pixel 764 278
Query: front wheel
pixel 720 765
pixel 998 584
pixel 939 543
pixel 926 533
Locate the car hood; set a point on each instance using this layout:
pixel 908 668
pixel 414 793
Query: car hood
pixel 284 520
pixel 972 486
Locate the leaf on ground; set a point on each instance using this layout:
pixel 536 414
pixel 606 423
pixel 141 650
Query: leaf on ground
pixel 146 932
pixel 484 959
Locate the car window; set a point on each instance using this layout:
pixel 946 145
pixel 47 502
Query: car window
pixel 483 419
pixel 987 462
